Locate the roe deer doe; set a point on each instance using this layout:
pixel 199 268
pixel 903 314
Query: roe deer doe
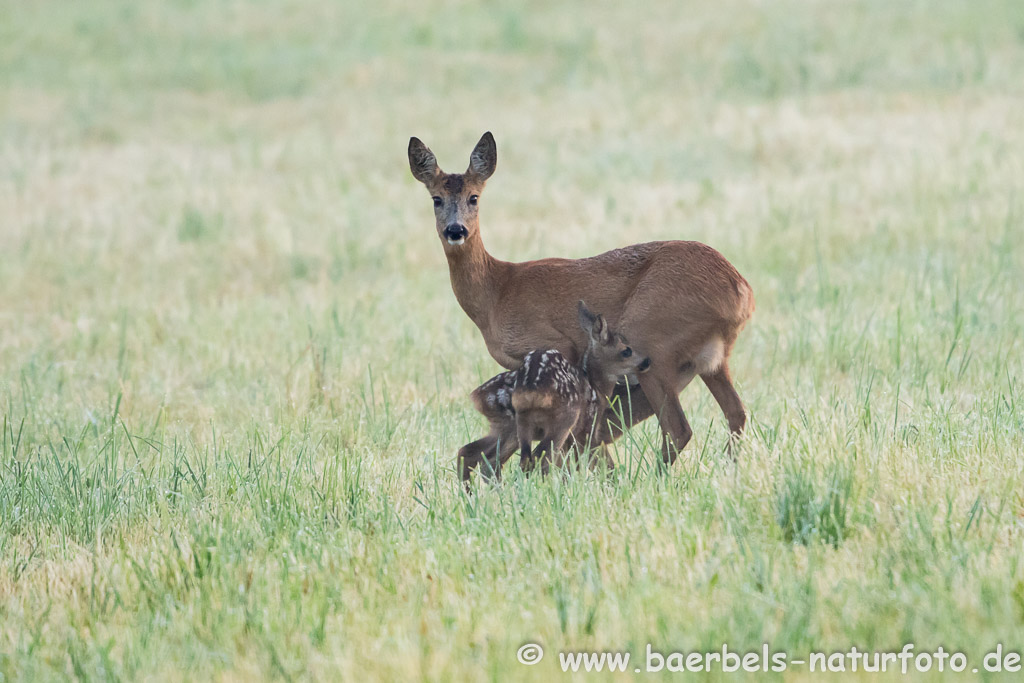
pixel 552 401
pixel 682 302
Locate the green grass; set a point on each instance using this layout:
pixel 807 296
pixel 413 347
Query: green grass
pixel 233 377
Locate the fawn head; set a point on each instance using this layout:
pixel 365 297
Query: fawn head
pixel 609 355
pixel 455 195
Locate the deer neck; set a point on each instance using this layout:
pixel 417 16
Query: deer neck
pixel 476 278
pixel 599 382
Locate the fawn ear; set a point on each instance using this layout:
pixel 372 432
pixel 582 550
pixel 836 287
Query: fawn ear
pixel 600 332
pixel 422 161
pixel 594 325
pixel 587 318
pixel 484 158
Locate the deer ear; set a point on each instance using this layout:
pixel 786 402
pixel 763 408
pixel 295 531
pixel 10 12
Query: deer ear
pixel 600 332
pixel 587 319
pixel 422 161
pixel 593 324
pixel 484 158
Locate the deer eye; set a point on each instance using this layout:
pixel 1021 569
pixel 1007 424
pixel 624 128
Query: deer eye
pixel 437 202
pixel 472 199
pixel 626 352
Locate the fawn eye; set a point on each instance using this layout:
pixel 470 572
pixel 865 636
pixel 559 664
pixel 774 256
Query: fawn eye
pixel 437 202
pixel 472 199
pixel 627 352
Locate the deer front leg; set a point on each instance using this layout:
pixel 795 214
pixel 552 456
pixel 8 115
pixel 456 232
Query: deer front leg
pixel 631 408
pixel 594 445
pixel 675 430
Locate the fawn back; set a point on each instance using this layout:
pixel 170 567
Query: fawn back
pixel 555 401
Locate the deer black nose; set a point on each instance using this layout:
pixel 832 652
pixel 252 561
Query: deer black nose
pixel 644 365
pixel 455 232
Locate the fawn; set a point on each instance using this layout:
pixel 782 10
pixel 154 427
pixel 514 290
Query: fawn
pixel 552 401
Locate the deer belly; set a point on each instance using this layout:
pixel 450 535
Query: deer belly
pixel 509 343
pixel 504 359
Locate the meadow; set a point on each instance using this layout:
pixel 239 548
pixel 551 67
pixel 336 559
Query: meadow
pixel 233 375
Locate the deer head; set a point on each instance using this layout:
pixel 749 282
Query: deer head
pixel 455 195
pixel 609 355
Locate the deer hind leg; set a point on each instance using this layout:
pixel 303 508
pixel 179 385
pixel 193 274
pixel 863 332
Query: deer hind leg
pixel 491 451
pixel 527 459
pixel 675 430
pixel 543 454
pixel 527 431
pixel 593 447
pixel 719 382
pixel 550 451
pixel 506 449
pixel 488 454
pixel 551 440
pixel 472 454
pixel 562 441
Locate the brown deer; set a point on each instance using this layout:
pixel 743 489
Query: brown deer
pixel 550 400
pixel 681 302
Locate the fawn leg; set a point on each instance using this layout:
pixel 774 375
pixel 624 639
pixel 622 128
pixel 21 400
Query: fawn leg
pixel 604 459
pixel 593 449
pixel 493 449
pixel 527 457
pixel 597 449
pixel 503 450
pixel 543 452
pixel 561 440
pixel 472 454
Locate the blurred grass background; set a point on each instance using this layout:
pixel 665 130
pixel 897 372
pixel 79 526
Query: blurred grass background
pixel 233 376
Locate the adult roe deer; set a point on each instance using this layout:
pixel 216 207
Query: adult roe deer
pixel 682 303
pixel 550 400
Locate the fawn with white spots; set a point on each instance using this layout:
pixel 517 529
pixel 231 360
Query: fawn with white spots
pixel 552 401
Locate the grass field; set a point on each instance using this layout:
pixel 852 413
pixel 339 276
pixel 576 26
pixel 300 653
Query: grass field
pixel 233 375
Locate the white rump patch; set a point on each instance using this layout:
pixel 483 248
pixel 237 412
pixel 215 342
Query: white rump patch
pixel 709 358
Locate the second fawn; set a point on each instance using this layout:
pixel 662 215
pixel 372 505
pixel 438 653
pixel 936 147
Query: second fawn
pixel 552 401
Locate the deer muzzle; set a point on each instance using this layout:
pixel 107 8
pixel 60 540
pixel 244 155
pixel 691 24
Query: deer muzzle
pixel 455 233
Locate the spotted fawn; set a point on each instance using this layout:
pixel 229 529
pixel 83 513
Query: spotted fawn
pixel 550 400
